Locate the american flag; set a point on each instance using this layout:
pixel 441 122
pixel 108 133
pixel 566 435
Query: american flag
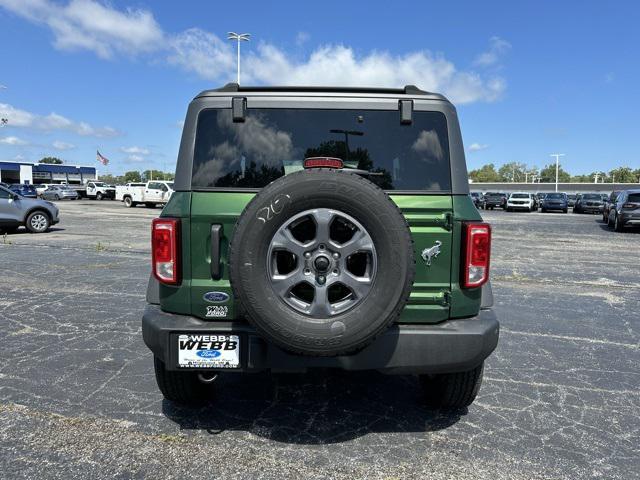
pixel 102 159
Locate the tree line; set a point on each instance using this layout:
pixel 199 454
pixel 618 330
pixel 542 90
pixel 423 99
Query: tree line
pixel 519 172
pixel 136 177
pixel 130 176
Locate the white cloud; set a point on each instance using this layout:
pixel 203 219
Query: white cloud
pixel 135 150
pixel 339 65
pixel 53 121
pixel 476 147
pixel 497 48
pixel 135 158
pixel 59 145
pixel 91 25
pixel 203 53
pixel 13 141
pixel 105 30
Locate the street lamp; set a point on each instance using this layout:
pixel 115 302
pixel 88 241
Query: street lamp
pixel 557 155
pixel 239 37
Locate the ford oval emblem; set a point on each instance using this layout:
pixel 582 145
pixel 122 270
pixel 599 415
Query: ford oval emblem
pixel 208 353
pixel 215 297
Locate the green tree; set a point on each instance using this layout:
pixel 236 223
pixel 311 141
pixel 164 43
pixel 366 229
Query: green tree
pixel 486 173
pixel 51 160
pixel 512 172
pixel 623 175
pixel 156 175
pixel 132 176
pixel 548 174
pixel 111 179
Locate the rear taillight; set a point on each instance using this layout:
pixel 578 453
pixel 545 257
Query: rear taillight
pixel 631 205
pixel 476 254
pixel 165 250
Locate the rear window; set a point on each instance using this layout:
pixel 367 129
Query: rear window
pixel 591 196
pixel 520 195
pixel 555 196
pixel 634 198
pixel 274 142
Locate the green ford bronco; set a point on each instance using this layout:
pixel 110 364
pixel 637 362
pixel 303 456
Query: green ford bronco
pixel 320 228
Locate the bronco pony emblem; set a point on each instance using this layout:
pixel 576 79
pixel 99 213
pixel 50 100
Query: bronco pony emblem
pixel 430 253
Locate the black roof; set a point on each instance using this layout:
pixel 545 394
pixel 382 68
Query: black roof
pixel 406 90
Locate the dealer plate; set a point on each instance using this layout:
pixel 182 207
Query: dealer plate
pixel 208 351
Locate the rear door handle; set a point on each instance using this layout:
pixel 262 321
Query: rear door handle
pixel 216 238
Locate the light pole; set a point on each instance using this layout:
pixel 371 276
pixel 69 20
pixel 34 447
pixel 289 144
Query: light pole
pixel 239 37
pixel 557 155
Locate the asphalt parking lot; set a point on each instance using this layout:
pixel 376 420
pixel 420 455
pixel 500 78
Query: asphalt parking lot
pixel 561 396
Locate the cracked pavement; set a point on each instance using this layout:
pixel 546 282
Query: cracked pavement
pixel 560 398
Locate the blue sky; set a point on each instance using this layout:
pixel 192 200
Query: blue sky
pixel 529 79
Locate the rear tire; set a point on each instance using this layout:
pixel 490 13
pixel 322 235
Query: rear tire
pixel 617 224
pixel 181 387
pixel 452 390
pixel 128 202
pixel 56 197
pixel 566 210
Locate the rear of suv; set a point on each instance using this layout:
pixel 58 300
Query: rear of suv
pixel 320 228
pixel 625 211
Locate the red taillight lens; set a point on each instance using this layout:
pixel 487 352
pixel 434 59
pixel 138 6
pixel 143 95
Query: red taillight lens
pixel 476 255
pixel 323 162
pixel 165 251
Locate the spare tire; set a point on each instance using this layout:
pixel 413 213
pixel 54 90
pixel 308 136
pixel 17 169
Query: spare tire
pixel 322 262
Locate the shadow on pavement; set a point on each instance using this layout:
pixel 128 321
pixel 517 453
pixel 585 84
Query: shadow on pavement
pixel 315 408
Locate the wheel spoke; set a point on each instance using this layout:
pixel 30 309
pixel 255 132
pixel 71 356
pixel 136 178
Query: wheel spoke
pixel 284 240
pixel 282 284
pixel 360 242
pixel 320 307
pixel 323 218
pixel 360 286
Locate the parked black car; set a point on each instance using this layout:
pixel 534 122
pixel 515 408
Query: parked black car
pixel 625 211
pixel 588 203
pixel 608 203
pixel 494 200
pixel 555 201
pixel 477 198
pixel 25 190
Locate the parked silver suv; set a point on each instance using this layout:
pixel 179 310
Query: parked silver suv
pixel 15 211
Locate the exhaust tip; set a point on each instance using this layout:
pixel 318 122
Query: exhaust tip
pixel 208 379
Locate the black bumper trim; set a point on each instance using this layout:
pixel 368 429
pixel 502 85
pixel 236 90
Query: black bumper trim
pixel 451 346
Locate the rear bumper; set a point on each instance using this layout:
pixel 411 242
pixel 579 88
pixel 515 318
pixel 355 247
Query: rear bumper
pixel 591 209
pixel 555 207
pixel 451 346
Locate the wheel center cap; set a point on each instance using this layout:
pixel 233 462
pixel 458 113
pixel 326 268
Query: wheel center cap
pixel 321 263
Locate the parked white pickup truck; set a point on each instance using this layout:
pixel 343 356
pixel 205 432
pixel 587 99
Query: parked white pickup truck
pixel 93 189
pixel 150 193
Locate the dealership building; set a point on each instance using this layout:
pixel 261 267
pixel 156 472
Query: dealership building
pixel 34 173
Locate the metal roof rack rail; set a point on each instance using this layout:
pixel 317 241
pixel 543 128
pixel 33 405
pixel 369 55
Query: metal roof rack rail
pixel 407 90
